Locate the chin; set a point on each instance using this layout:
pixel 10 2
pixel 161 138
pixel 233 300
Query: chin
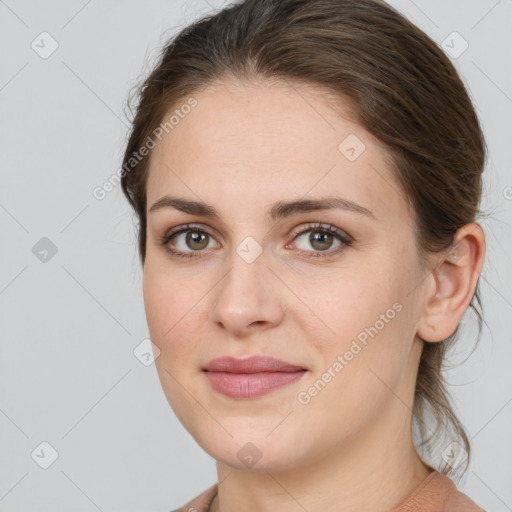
pixel 250 450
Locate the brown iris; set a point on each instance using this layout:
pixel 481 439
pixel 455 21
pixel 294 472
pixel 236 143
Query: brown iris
pixel 324 239
pixel 195 237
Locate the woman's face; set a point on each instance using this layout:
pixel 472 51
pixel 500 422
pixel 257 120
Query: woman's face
pixel 260 278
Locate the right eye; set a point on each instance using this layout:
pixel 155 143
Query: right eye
pixel 190 237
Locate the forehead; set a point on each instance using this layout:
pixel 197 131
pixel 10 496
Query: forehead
pixel 256 142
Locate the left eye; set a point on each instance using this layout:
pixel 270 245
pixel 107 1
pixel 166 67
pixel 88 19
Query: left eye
pixel 321 239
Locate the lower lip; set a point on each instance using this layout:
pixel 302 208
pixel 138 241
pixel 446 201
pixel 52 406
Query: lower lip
pixel 250 385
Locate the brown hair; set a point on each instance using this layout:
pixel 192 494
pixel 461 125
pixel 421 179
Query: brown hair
pixel 400 86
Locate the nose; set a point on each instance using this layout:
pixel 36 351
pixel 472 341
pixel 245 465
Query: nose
pixel 249 297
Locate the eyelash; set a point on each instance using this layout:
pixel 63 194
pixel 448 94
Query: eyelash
pixel 317 227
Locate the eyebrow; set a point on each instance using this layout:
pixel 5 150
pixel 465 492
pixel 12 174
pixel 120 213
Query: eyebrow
pixel 279 210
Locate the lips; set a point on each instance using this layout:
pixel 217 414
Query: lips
pixel 252 377
pixel 254 364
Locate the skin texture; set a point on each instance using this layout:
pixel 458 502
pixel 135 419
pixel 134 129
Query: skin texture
pixel 245 146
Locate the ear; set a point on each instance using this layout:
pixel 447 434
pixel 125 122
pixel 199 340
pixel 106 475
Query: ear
pixel 453 284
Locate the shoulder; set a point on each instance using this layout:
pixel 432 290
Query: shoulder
pixel 438 492
pixel 200 503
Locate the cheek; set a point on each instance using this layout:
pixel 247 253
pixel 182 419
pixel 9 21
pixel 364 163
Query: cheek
pixel 158 302
pixel 171 312
pixel 172 322
pixel 344 305
pixel 366 322
pixel 359 365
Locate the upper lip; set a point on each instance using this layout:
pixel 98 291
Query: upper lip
pixel 254 364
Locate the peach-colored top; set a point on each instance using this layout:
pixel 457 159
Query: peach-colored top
pixel 437 493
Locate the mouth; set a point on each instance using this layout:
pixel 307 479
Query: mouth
pixel 252 377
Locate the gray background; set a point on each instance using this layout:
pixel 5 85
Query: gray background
pixel 71 321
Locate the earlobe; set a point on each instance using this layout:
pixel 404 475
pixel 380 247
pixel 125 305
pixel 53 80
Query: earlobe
pixel 454 279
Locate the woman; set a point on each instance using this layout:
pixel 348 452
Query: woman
pixel 306 176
